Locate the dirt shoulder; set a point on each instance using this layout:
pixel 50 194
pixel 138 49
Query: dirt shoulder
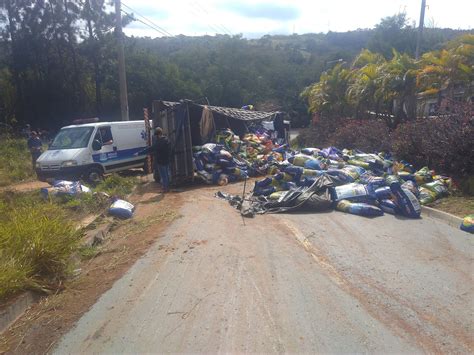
pixel 459 206
pixel 45 322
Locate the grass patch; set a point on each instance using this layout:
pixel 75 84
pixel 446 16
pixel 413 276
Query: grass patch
pixel 38 236
pixel 460 206
pixel 116 185
pixel 88 252
pixel 15 161
pixel 36 243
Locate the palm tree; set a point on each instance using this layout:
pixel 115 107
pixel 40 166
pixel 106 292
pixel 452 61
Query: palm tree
pixel 363 91
pixel 442 70
pixel 328 96
pixel 397 87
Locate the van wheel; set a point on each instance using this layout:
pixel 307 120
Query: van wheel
pixel 94 175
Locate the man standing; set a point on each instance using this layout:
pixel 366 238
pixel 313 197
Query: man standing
pixel 161 158
pixel 35 146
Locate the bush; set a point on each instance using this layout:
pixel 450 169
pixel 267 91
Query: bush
pixel 318 135
pixel 36 243
pixel 15 161
pixel 442 143
pixel 366 135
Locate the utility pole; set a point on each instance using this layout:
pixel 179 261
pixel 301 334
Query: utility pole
pixel 121 62
pixel 420 29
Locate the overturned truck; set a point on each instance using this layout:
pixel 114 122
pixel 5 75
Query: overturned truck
pixel 188 124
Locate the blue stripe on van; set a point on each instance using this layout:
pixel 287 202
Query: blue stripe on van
pixel 117 155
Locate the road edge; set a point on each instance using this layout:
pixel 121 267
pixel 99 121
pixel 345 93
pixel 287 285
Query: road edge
pixel 447 218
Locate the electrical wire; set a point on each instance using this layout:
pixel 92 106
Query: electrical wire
pixel 151 23
pixel 221 27
pixel 143 22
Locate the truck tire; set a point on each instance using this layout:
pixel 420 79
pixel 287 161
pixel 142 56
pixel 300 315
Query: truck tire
pixel 94 175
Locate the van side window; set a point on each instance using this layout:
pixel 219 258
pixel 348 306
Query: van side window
pixel 106 135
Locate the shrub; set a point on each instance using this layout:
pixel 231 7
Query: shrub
pixel 442 143
pixel 15 161
pixel 366 135
pixel 318 135
pixel 36 243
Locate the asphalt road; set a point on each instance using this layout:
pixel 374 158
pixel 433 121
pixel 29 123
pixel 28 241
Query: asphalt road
pixel 329 282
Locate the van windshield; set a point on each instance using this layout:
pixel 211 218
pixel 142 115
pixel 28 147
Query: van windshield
pixel 72 138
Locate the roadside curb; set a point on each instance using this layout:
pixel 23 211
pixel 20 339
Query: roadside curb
pixel 15 309
pixel 448 218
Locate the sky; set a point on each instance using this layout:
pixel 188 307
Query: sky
pixel 255 18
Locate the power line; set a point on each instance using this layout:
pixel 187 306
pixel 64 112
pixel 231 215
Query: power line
pixel 221 27
pixel 146 24
pixel 158 28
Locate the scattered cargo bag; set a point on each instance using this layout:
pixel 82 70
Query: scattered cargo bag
pixel 263 183
pixel 295 171
pixel 388 206
pixel 68 187
pixel 198 163
pixel 438 187
pixel 389 179
pixel 361 209
pixel 299 159
pixel 310 151
pixel 410 185
pixel 406 201
pixel 406 176
pixel 426 196
pixel 211 148
pixel 310 172
pixel 313 164
pixel 467 224
pixel 341 175
pixel 223 180
pixel 353 171
pixel 353 192
pixel 383 193
pixel 423 176
pixel 360 163
pixel 121 209
pixel 368 177
pixel 331 153
pixel 264 191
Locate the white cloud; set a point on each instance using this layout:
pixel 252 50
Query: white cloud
pixel 200 17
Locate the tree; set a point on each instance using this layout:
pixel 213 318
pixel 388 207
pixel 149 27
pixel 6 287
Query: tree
pixel 328 96
pixel 447 68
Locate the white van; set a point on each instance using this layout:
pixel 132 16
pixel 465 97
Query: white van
pixel 89 150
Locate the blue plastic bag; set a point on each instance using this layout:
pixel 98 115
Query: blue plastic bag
pixel 121 209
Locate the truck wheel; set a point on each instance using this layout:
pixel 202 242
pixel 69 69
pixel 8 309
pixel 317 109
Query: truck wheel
pixel 94 175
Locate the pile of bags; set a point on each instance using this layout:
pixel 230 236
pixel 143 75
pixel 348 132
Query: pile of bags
pixel 357 182
pixel 231 158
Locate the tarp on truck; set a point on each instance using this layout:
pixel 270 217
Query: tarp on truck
pixel 188 124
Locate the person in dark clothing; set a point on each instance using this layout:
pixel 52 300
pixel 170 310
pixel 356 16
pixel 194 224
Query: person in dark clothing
pixel 161 157
pixel 35 146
